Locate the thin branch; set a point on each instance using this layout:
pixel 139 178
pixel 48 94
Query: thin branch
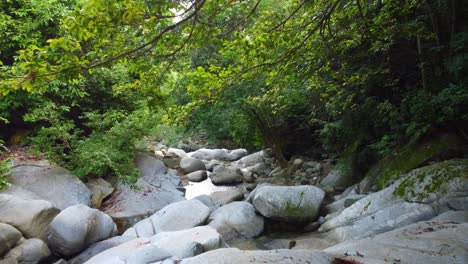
pixel 244 19
pixel 288 18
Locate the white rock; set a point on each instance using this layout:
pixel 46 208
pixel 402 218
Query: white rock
pixel 179 244
pixel 50 182
pixel 188 165
pixel 31 251
pixel 282 256
pixel 30 217
pixel 288 203
pixel 236 220
pixel 77 227
pixel 419 243
pixel 173 217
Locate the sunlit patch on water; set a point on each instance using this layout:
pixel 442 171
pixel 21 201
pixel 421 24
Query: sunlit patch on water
pixel 194 189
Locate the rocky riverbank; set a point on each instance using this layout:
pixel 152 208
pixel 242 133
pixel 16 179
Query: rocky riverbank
pixel 198 205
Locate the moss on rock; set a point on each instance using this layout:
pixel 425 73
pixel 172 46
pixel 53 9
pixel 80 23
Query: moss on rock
pixel 432 180
pixel 408 158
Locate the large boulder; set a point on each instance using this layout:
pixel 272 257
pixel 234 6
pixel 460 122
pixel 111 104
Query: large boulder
pixel 197 176
pixel 252 159
pixel 8 237
pixel 208 201
pixel 30 217
pixel 174 217
pixel 155 188
pixel 288 203
pixel 381 221
pixel 410 157
pixel 188 165
pixel 77 227
pixel 417 196
pixel 282 256
pixel 31 251
pixel 236 220
pixel 218 154
pixel 226 175
pixel 50 182
pixel 100 190
pixel 224 197
pixel 425 242
pixel 99 247
pixel 179 244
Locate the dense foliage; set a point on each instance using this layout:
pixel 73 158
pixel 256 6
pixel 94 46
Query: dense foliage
pixel 301 77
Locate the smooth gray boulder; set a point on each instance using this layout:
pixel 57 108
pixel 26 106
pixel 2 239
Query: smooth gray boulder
pixel 197 176
pixel 412 187
pixel 155 188
pixel 77 227
pixel 236 220
pixel 188 165
pixel 30 217
pixel 178 244
pixel 452 217
pixel 50 182
pixel 224 197
pixel 31 251
pixel 252 159
pixel 99 247
pixel 100 190
pixel 420 243
pixel 282 256
pixel 173 217
pixel 8 237
pixel 384 220
pixel 218 154
pixel 288 203
pixel 208 201
pixel 226 175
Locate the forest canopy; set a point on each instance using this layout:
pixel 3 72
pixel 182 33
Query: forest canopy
pixel 83 81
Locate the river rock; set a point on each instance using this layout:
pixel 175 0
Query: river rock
pixel 381 221
pixel 225 197
pixel 179 244
pixel 197 176
pixel 340 205
pixel 30 217
pixel 31 251
pixel 282 256
pixel 50 182
pixel 420 243
pixel 99 247
pixel 384 205
pixel 179 152
pixel 8 237
pixel 188 165
pixel 173 217
pixel 452 217
pixel 100 189
pixel 77 227
pixel 236 220
pixel 252 159
pixel 208 201
pixel 155 188
pixel 288 203
pixel 226 175
pixel 218 154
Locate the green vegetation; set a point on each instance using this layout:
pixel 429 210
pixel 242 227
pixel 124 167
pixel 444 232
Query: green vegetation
pixel 5 167
pixel 84 81
pixel 431 180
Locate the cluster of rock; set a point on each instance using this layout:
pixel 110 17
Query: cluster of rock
pixel 421 218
